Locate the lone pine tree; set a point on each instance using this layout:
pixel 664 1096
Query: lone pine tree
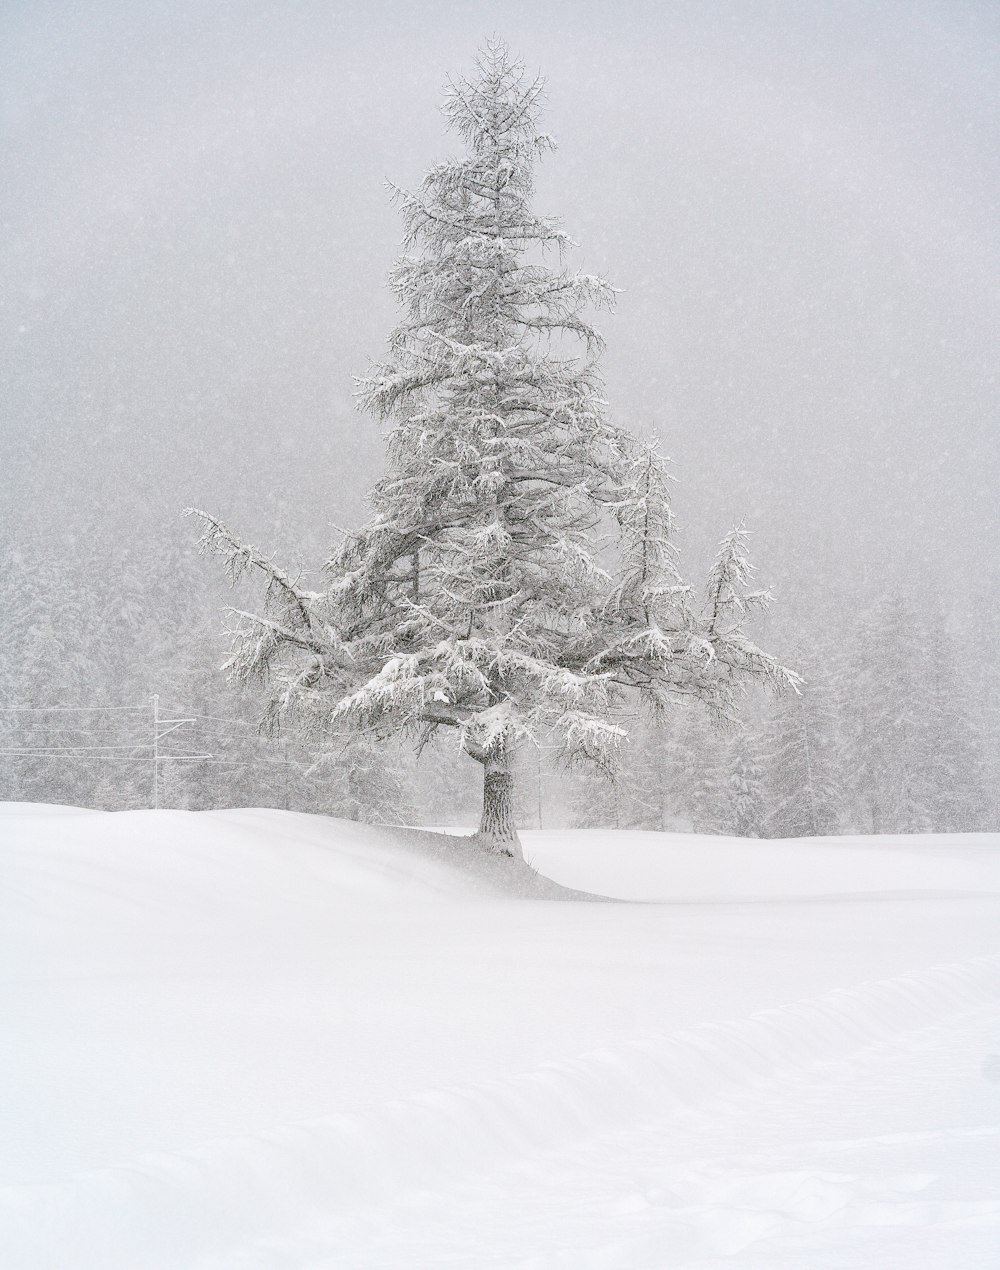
pixel 517 578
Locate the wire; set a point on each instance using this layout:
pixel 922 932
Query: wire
pixel 67 755
pixel 287 734
pixel 52 728
pixel 254 762
pixel 214 718
pixel 145 758
pixel 242 723
pixel 66 709
pixel 66 749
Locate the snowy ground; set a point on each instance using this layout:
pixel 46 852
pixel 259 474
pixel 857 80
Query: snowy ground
pixel 256 1040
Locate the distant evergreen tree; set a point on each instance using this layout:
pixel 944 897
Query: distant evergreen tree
pixel 917 753
pixel 597 801
pixel 800 750
pixel 888 729
pixel 745 787
pixel 365 784
pixel 957 763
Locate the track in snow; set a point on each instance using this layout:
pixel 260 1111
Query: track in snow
pixel 889 1157
pixel 859 1128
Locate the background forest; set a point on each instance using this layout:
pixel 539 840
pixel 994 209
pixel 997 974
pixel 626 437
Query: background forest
pixel 798 204
pixel 897 729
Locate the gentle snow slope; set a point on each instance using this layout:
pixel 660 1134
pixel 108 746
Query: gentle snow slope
pixel 259 1039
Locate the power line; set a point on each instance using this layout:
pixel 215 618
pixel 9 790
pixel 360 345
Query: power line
pixel 251 762
pixel 66 749
pixel 209 718
pixel 122 758
pixel 214 718
pixel 127 752
pixel 64 709
pixel 54 728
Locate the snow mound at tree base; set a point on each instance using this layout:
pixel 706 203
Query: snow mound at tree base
pixel 438 859
pixel 487 871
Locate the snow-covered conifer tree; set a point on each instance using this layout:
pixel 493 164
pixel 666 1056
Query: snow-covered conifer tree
pixel 803 761
pixel 517 577
pixel 918 761
pixel 746 802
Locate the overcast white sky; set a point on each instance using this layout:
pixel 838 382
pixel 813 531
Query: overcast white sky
pixel 799 200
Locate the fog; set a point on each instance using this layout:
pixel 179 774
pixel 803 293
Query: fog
pixel 798 201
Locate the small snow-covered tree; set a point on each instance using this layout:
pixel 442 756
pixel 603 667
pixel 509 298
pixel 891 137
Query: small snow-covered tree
pixel 917 759
pixel 802 761
pixel 517 577
pixel 364 784
pixel 744 781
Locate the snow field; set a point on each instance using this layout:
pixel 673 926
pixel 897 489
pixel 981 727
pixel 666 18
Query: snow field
pixel 260 1039
pixel 172 1208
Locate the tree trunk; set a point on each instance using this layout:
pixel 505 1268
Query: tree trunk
pixel 497 828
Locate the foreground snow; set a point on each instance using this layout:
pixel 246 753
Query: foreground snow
pixel 258 1039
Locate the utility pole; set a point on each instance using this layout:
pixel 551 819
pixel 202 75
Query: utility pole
pixel 158 736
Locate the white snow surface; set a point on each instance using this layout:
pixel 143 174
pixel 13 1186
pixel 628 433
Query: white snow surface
pixel 257 1039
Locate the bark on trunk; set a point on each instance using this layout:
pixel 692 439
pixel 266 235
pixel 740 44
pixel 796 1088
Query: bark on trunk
pixel 497 828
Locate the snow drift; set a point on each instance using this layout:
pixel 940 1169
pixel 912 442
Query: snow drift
pixel 258 1039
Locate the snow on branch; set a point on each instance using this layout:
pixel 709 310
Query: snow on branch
pixel 729 580
pixel 242 558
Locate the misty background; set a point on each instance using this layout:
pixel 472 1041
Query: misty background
pixel 798 200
